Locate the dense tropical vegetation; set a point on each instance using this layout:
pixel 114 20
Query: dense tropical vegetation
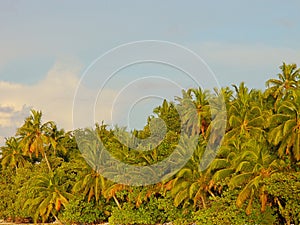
pixel 254 178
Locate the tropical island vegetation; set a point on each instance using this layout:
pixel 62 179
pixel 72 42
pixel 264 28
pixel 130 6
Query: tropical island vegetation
pixel 254 178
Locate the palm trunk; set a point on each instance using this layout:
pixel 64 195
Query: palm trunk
pixel 203 202
pixel 47 162
pixel 56 219
pixel 212 194
pixel 116 200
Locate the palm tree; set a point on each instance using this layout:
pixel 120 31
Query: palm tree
pixel 248 122
pixel 219 106
pixel 254 164
pixel 57 140
pixel 111 191
pixel 285 128
pixel 244 165
pixel 46 196
pixel 287 80
pixel 242 95
pixel 226 94
pixel 92 182
pixel 195 110
pixel 168 113
pixel 190 183
pixel 36 136
pixel 12 154
pixel 222 166
pixel 246 116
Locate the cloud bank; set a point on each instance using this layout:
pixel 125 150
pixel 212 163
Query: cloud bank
pixel 53 95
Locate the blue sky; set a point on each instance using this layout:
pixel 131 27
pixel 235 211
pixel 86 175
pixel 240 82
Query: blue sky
pixel 46 44
pixel 39 33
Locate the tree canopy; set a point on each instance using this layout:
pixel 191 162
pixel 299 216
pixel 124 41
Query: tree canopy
pixel 47 174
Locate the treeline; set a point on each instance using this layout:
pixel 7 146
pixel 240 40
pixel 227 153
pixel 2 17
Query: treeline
pixel 253 179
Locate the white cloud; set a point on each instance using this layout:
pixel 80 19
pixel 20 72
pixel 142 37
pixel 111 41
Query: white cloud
pixel 10 119
pixel 54 96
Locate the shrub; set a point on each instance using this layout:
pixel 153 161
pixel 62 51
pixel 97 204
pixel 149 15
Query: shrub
pixel 80 211
pixel 284 191
pixel 155 210
pixel 224 211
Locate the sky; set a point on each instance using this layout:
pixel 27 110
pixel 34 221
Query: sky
pixel 48 47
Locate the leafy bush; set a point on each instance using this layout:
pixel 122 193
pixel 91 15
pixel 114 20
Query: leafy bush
pixel 224 211
pixel 156 210
pixel 80 211
pixel 12 194
pixel 284 190
pixel 7 194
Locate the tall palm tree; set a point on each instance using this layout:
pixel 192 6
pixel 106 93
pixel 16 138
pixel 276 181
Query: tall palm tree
pixel 222 166
pixel 195 110
pixel 285 128
pixel 287 81
pixel 190 183
pixel 92 182
pixel 254 164
pixel 246 116
pixel 12 154
pixel 248 122
pixel 57 139
pixel 168 113
pixel 244 165
pixel 226 94
pixel 46 196
pixel 36 136
pixel 242 95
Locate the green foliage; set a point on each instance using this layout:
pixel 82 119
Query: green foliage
pixel 253 179
pixel 224 211
pixel 7 194
pixel 284 192
pixel 12 154
pixel 155 210
pixel 12 184
pixel 285 131
pixel 80 211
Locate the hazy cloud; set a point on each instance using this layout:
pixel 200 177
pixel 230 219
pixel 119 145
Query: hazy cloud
pixel 54 96
pixel 10 119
